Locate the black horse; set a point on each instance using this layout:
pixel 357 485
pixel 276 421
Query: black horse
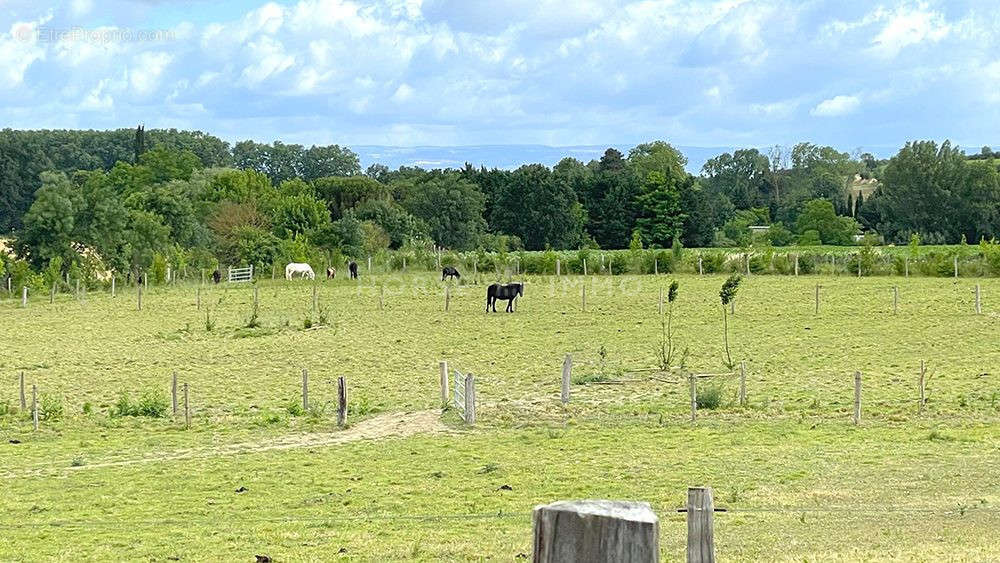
pixel 216 276
pixel 353 267
pixel 507 292
pixel 450 272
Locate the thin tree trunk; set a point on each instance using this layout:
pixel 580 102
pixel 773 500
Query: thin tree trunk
pixel 725 336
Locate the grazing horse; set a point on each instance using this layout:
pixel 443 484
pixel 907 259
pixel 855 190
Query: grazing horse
pixel 353 267
pixel 299 268
pixel 507 292
pixel 450 272
pixel 331 273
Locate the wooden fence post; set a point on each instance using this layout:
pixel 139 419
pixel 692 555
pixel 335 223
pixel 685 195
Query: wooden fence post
pixel 341 402
pixel 817 299
pixel 857 397
pixel 113 286
pixel 656 266
pixel 24 296
pixel 700 271
pixel 595 531
pixel 187 408
pixel 922 382
pixel 748 262
pixel 693 383
pixel 315 299
pixel 447 297
pixel 470 399
pixel 584 266
pixel 906 267
pixel 895 299
pixel 701 525
pixel 34 405
pixel 796 264
pixel 444 382
pixel 173 394
pixel 24 405
pixel 979 303
pixel 743 384
pixel 305 389
pixel 567 374
pixel 197 297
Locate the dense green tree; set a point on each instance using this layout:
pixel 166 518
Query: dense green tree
pixel 819 215
pixel 539 208
pixel 451 207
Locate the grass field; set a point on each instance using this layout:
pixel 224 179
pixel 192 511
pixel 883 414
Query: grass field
pixel 406 481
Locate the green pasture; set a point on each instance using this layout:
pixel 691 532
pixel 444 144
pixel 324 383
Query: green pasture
pixel 408 481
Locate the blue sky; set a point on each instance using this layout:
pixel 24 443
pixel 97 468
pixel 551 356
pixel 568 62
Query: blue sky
pixel 470 72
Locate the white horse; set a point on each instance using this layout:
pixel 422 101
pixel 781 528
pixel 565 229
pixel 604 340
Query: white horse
pixel 297 268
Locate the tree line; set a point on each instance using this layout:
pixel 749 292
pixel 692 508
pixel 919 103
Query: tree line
pixel 129 199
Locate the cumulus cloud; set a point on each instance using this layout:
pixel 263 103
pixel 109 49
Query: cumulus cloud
pixel 698 72
pixel 837 106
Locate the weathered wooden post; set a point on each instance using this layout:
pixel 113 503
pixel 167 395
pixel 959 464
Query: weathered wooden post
pixel 906 267
pixel 443 366
pixel 567 373
pixel 700 271
pixel 470 399
pixel 113 286
pixel 173 394
pixel 817 299
pixel 34 406
pixel 979 303
pixel 305 389
pixel 857 397
pixel 273 274
pixel 52 294
pixel 895 299
pixel 701 525
pixel 341 402
pixel 743 384
pixel 187 408
pixel 693 383
pixel 315 299
pixel 584 266
pixel 747 255
pixel 796 264
pixel 595 531
pixel 145 280
pixel 24 296
pixel 168 274
pixel 922 382
pixel 447 297
pixel 24 405
pixel 656 266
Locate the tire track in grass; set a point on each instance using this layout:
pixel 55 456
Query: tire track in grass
pixel 389 425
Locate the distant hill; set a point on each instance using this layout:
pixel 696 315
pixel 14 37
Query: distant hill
pixel 512 156
pixel 506 156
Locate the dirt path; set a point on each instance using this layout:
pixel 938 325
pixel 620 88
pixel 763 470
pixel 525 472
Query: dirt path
pixel 391 425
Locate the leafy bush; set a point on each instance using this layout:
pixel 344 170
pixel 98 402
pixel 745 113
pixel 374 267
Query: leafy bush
pixel 51 409
pixel 711 262
pixel 294 407
pixel 150 405
pixel 709 397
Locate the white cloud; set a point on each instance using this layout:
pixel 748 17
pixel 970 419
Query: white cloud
pixel 146 70
pixel 907 27
pixel 98 99
pixel 836 106
pixel 403 93
pixel 81 7
pixel 270 59
pixel 19 49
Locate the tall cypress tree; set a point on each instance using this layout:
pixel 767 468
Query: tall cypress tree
pixel 850 205
pixel 139 145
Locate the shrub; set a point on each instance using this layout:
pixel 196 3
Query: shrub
pixel 150 405
pixel 294 407
pixel 711 262
pixel 709 397
pixel 51 409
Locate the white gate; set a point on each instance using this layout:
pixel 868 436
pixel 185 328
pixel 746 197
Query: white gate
pixel 237 275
